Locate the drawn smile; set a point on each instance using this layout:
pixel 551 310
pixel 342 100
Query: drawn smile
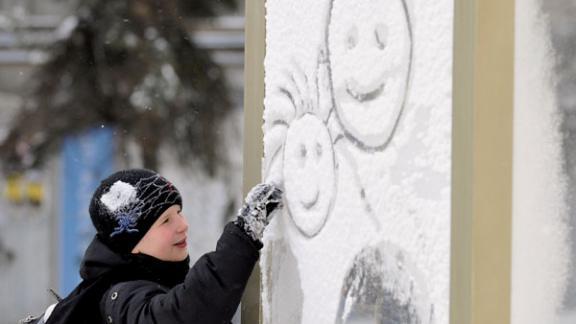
pixel 362 95
pixel 309 205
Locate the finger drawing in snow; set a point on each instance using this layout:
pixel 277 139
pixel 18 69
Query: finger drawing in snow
pixel 357 94
pixel 357 131
pixel 370 55
pixel 384 286
pixel 306 154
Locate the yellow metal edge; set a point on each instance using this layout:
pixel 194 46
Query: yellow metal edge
pixel 255 47
pixel 482 161
pixel 462 163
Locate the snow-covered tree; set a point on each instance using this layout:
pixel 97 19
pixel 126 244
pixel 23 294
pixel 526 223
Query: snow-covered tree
pixel 131 65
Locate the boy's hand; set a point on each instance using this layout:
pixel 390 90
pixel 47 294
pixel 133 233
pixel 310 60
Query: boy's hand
pixel 258 209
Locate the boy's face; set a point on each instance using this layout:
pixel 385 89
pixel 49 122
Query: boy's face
pixel 166 239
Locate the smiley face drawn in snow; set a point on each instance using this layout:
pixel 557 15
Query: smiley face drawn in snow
pixel 370 53
pixel 309 173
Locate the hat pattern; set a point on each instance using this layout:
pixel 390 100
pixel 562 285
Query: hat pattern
pixel 127 203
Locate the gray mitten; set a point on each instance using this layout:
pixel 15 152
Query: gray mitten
pixel 258 209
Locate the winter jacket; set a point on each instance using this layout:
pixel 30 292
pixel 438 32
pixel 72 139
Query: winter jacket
pixel 117 289
pixel 210 293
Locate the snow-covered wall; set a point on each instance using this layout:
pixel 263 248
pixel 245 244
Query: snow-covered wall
pixel 541 250
pixel 358 130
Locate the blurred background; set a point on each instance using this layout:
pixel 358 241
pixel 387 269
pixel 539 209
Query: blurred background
pixel 560 17
pixel 91 86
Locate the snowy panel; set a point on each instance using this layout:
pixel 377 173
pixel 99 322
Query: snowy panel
pixel 544 211
pixel 357 129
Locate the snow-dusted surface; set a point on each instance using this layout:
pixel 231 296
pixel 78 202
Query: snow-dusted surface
pixel 369 84
pixel 311 158
pixel 540 253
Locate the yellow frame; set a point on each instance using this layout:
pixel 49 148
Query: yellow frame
pixel 482 161
pixel 255 47
pixel 482 156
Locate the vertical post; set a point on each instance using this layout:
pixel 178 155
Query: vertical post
pixel 255 47
pixel 482 161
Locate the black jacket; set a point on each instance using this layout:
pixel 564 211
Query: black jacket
pixel 210 293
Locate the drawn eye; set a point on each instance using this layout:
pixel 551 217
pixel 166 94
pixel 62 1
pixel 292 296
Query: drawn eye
pixel 352 38
pixel 318 150
pixel 303 153
pixel 381 35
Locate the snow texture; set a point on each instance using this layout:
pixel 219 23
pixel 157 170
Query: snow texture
pixel 357 126
pixel 120 195
pixel 540 243
pixel 311 158
pixel 384 284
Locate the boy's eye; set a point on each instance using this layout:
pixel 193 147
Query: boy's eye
pixel 166 220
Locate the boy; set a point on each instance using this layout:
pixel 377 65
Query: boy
pixel 136 268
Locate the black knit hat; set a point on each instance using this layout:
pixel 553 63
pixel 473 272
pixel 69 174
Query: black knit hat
pixel 127 203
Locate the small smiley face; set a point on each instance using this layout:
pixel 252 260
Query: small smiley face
pixel 370 48
pixel 309 173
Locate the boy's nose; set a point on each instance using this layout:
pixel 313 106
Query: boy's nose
pixel 183 225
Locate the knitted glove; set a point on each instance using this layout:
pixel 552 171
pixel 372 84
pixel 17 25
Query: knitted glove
pixel 258 209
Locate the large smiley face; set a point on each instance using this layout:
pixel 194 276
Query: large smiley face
pixel 309 174
pixel 369 51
